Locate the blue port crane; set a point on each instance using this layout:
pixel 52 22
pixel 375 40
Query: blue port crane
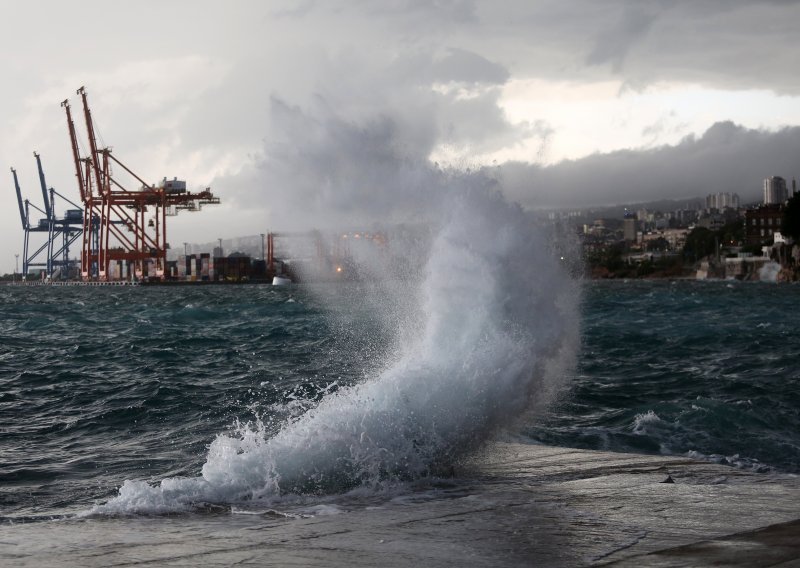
pixel 53 254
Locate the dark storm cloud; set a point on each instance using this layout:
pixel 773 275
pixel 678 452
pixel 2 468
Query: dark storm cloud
pixel 726 158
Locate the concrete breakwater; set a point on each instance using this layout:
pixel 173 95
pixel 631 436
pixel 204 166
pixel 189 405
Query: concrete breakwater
pixel 515 505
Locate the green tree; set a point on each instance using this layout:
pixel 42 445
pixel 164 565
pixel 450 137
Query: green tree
pixel 659 244
pixel 732 233
pixel 700 242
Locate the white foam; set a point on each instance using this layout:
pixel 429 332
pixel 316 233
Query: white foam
pixel 735 460
pixel 500 323
pixel 641 422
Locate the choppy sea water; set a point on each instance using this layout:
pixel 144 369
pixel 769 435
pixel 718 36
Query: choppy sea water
pixel 705 369
pixel 99 386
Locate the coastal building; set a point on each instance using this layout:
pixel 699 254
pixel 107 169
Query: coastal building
pixel 714 222
pixel 761 223
pixel 665 240
pixel 676 238
pixel 775 191
pixel 744 266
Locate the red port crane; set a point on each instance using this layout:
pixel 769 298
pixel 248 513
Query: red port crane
pixel 124 230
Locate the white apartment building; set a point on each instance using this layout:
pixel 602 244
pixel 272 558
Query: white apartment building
pixel 775 191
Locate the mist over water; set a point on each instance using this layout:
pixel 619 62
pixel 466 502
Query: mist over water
pixel 490 325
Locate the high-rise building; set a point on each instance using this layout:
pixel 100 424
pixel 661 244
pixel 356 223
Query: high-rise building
pixel 722 201
pixel 629 227
pixel 775 191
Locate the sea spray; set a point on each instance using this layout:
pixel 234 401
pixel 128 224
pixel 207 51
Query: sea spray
pixel 769 272
pixel 500 321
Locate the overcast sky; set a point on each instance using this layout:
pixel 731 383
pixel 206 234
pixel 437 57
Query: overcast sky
pixel 298 112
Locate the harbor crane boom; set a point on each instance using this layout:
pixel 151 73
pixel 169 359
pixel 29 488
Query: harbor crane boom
pixel 48 206
pixel 22 216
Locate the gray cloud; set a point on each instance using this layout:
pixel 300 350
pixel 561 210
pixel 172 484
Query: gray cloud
pixel 358 77
pixel 737 45
pixel 459 65
pixel 717 43
pixel 726 158
pixel 613 43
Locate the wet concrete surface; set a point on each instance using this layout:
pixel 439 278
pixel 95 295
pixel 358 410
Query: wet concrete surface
pixel 518 505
